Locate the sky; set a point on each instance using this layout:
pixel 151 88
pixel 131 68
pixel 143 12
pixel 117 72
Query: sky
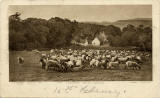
pixel 83 13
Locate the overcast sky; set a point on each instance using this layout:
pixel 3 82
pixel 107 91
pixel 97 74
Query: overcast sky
pixel 97 13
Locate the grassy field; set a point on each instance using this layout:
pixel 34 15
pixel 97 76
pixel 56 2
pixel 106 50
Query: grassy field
pixel 31 71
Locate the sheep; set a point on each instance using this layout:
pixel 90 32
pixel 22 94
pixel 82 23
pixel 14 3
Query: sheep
pixel 76 65
pixel 43 55
pixel 114 58
pixel 60 65
pixel 50 63
pixel 78 68
pixel 51 51
pixel 74 59
pixel 79 65
pixel 54 64
pixel 79 62
pixel 103 63
pixel 113 65
pixel 47 63
pixel 69 64
pixel 108 56
pixel 88 58
pixel 83 56
pixel 62 57
pixel 122 59
pixel 113 54
pixel 131 57
pixel 20 60
pixel 71 57
pixel 94 63
pixel 132 64
pixel 53 57
pixel 138 59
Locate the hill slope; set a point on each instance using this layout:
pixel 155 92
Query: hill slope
pixel 123 23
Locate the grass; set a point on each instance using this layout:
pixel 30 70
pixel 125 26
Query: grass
pixel 31 71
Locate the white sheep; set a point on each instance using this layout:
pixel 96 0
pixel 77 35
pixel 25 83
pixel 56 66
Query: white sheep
pixel 97 63
pixel 103 63
pixel 131 57
pixel 53 57
pixel 71 57
pixel 139 58
pixel 132 64
pixel 113 64
pixel 108 56
pixel 92 62
pixel 52 63
pixel 44 55
pixel 79 62
pixel 122 59
pixel 114 58
pixel 70 63
pixel 51 51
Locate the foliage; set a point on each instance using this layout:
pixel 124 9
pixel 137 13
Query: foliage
pixel 33 33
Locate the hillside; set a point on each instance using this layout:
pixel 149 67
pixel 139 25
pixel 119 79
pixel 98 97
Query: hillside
pixel 135 22
pixel 122 23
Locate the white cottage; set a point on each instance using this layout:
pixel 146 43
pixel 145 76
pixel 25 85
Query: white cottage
pixel 96 42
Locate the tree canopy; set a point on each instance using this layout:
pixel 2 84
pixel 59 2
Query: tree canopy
pixel 56 32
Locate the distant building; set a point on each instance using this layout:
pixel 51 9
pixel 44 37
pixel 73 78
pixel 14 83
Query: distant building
pixel 96 42
pixel 101 39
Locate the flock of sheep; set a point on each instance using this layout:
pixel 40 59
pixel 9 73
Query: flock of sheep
pixel 75 60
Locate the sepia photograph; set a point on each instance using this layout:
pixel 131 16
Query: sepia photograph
pixel 80 42
pixel 79 49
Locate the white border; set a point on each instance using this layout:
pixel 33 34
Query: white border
pixel 136 89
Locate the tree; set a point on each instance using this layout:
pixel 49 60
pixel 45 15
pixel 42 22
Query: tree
pixel 145 39
pixel 128 37
pixel 36 33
